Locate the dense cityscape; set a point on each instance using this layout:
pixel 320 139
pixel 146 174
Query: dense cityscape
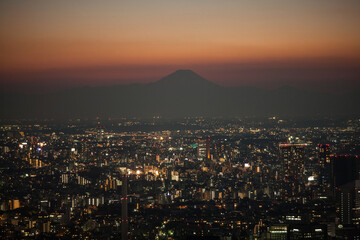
pixel 192 178
pixel 180 120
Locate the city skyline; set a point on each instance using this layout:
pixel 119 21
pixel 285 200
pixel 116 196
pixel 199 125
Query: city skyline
pixel 191 178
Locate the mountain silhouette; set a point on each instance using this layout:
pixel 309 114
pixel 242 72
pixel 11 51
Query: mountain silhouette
pixel 185 78
pixel 180 94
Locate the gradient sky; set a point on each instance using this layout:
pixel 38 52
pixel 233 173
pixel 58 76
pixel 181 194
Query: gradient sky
pixel 56 44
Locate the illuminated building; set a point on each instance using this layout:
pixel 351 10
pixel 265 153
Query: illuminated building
pixel 14 204
pixel 83 181
pixel 124 207
pixel 204 148
pixel 324 167
pixel 348 202
pixel 292 159
pixel 298 231
pixel 307 231
pixel 65 178
pixel 279 232
pixel 46 227
pixel 110 184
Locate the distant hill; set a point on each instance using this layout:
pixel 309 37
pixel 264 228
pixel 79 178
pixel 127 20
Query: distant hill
pixel 182 93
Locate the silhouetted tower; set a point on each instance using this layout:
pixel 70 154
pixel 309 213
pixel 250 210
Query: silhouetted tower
pixel 324 166
pixel 124 207
pixel 346 182
pixel 208 147
pixel 292 159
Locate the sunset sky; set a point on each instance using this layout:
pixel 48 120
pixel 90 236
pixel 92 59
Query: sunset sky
pixel 60 44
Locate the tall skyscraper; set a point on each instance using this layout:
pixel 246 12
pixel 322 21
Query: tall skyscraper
pixel 292 160
pixel 346 182
pixel 204 148
pixel 348 202
pixel 324 167
pixel 124 207
pixel 345 169
pixel 323 154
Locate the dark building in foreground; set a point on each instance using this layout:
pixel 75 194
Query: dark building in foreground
pixel 346 181
pixel 345 169
pixel 324 166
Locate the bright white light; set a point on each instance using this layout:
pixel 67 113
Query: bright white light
pixel 246 165
pixel 311 178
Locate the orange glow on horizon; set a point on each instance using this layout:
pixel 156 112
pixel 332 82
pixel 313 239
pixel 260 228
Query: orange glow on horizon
pixel 41 55
pixel 65 39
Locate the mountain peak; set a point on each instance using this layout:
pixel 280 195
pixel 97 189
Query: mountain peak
pixel 185 77
pixel 184 73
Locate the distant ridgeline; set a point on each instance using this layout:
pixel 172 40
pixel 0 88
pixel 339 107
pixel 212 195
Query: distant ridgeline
pixel 180 94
